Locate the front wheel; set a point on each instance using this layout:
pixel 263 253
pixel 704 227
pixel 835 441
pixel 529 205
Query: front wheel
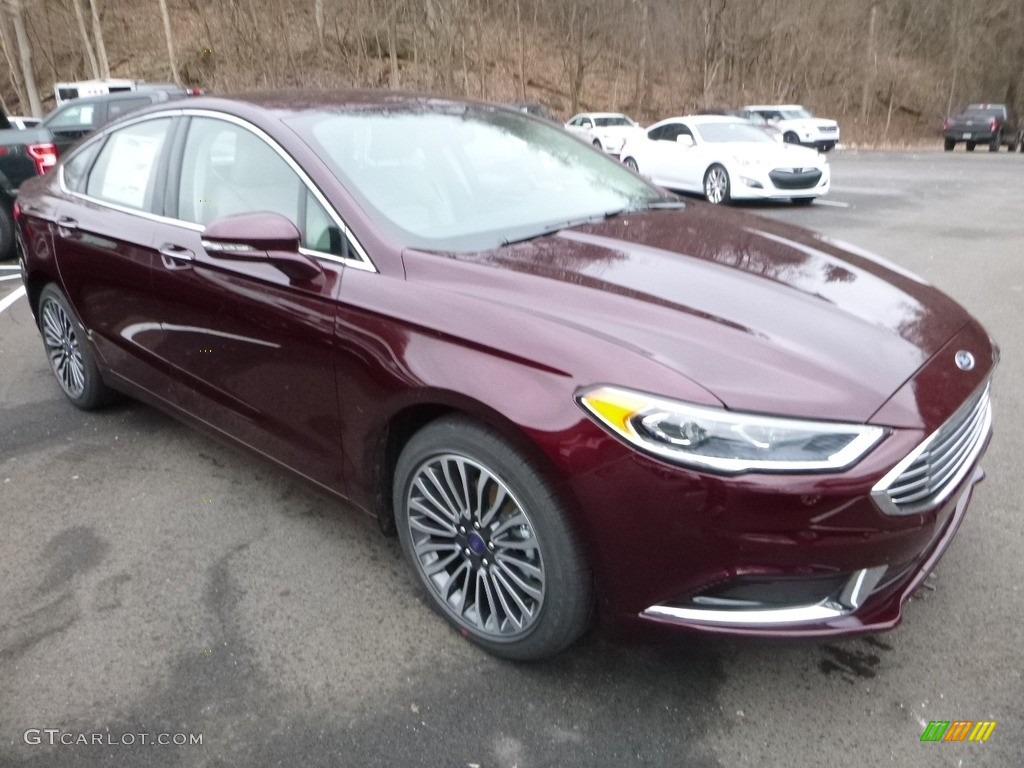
pixel 597 145
pixel 489 541
pixel 67 349
pixel 630 163
pixel 716 185
pixel 949 145
pixel 791 138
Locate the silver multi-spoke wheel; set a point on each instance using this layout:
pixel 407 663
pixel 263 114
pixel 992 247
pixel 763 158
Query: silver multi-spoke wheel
pixel 490 541
pixel 68 350
pixel 716 185
pixel 476 546
pixel 62 348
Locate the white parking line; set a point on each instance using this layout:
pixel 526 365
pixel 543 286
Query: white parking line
pixel 833 203
pixel 11 298
pixel 9 268
pixel 10 277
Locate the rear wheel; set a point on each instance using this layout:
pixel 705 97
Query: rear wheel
pixel 490 541
pixel 67 349
pixel 6 234
pixel 949 145
pixel 716 184
pixel 997 140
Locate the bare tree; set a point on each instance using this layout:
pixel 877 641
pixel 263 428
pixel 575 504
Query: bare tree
pixel 97 36
pixel 170 41
pixel 16 14
pixel 87 47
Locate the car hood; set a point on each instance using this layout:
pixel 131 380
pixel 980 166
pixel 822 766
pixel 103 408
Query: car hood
pixel 776 154
pixel 764 316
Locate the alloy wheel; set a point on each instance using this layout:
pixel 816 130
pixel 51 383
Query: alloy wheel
pixel 475 546
pixel 62 348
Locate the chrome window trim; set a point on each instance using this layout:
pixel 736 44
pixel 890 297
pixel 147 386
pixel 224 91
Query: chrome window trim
pixel 363 263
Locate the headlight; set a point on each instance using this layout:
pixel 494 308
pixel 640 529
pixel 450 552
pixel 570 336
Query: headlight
pixel 728 442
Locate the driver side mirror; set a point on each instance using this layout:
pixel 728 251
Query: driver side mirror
pixel 260 237
pixel 685 139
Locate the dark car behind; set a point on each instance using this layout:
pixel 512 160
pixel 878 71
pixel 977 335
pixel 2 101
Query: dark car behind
pixel 992 124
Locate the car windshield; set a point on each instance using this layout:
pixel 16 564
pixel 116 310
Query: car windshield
pixel 606 122
pixel 468 179
pixel 715 133
pixel 799 113
pixel 976 110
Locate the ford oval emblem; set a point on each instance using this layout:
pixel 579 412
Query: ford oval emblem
pixel 964 360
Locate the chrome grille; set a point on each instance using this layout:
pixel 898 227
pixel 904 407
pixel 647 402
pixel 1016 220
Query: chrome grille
pixel 933 470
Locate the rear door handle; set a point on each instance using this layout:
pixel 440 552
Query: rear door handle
pixel 176 257
pixel 66 226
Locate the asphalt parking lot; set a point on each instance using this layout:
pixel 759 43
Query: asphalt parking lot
pixel 155 581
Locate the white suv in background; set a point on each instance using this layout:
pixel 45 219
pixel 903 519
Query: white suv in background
pixel 797 125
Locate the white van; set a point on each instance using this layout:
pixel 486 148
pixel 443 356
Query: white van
pixel 66 91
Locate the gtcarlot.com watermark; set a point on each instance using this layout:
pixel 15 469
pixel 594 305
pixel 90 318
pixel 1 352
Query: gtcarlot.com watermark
pixel 55 737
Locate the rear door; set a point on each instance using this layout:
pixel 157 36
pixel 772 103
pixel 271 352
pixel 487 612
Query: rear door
pixel 102 232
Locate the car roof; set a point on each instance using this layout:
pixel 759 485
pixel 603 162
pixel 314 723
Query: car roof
pixel 705 119
pixel 774 106
pixel 600 114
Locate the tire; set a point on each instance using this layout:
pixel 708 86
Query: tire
pixel 67 349
pixel 828 147
pixel 997 140
pixel 717 185
pixel 630 163
pixel 969 146
pixel 949 145
pixel 805 201
pixel 6 233
pixel 597 144
pixel 791 138
pixel 468 506
pixel 1014 143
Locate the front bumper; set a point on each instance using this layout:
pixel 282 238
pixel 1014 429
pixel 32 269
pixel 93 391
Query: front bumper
pixel 759 183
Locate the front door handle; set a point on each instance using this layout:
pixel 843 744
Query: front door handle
pixel 176 257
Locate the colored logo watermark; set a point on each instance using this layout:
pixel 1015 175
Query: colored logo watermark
pixel 958 730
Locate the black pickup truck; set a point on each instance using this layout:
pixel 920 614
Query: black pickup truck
pixel 991 124
pixel 23 154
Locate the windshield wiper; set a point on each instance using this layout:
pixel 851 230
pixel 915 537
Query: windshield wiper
pixel 550 229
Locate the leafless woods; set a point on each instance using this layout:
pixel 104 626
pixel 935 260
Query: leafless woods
pixel 875 63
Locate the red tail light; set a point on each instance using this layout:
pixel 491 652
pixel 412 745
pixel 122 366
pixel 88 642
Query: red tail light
pixel 945 124
pixel 44 156
pixel 993 124
pixel 17 211
pixel 194 91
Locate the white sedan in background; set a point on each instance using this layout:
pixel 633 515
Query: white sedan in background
pixel 726 158
pixel 605 130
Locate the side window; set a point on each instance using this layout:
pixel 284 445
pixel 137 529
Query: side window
pixel 228 170
pixel 77 167
pixel 75 115
pixel 125 171
pixel 320 233
pixel 586 124
pixel 117 108
pixel 655 134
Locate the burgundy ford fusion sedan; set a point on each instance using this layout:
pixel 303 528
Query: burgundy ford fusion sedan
pixel 571 395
